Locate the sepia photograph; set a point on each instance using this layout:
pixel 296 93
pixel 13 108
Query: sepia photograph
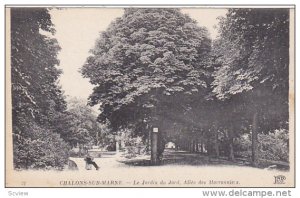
pixel 150 96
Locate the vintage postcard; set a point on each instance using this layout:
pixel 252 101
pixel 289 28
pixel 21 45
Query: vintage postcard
pixel 150 96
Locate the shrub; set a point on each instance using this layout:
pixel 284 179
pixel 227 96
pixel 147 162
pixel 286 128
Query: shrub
pixel 42 149
pixel 271 146
pixel 134 146
pixel 274 146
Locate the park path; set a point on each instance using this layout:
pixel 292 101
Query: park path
pixel 104 162
pixel 172 158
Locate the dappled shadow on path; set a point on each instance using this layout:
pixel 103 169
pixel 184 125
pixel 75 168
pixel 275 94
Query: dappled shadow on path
pixel 172 157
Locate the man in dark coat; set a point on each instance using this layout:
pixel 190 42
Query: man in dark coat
pixel 89 160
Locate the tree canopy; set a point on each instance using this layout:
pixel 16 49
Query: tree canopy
pixel 36 96
pixel 252 73
pixel 145 58
pixel 155 67
pixel 78 126
pixel 253 51
pixel 35 92
pixel 159 66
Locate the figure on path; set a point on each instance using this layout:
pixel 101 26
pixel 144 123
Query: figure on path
pixel 90 161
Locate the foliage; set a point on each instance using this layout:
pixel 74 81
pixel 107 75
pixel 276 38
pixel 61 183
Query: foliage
pixel 251 77
pixel 35 92
pixel 247 37
pixel 79 125
pixel 155 67
pixel 252 59
pixel 41 149
pixel 134 146
pixel 36 97
pixel 272 146
pixel 142 60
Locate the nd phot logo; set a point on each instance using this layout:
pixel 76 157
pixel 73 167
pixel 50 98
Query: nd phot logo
pixel 279 179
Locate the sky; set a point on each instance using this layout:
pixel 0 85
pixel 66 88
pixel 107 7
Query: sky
pixel 78 28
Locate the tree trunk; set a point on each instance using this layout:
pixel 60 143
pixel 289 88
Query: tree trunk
pixel 193 146
pixel 208 146
pixel 230 144
pixel 217 146
pixel 161 147
pixel 197 146
pixel 148 142
pixel 231 151
pixel 154 148
pixel 117 146
pixel 254 139
pixel 184 145
pixel 80 150
pixel 201 147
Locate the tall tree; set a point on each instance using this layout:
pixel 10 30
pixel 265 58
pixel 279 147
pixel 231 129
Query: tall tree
pixel 253 51
pixel 79 126
pixel 144 60
pixel 36 96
